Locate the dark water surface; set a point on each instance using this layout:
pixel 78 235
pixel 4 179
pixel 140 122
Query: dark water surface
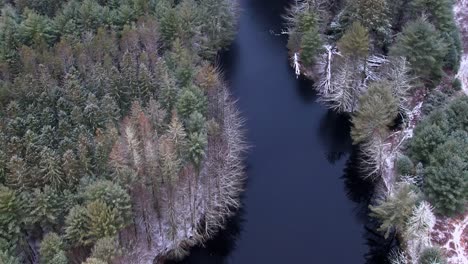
pixel 298 206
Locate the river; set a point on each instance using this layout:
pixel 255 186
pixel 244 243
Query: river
pixel 298 206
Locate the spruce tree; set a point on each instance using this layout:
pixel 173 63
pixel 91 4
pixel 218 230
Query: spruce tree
pixel 425 50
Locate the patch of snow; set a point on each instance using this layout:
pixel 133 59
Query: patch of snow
pixel 463 73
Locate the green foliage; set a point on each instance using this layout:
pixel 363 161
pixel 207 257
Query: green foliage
pixel 377 110
pixel 11 215
pixel 36 30
pixel 51 245
pixel 6 258
pixel 440 13
pixel 94 261
pixel 446 181
pixel 59 258
pixel 218 25
pixel 169 25
pixel 46 207
pixel 440 142
pixel 191 100
pixel 434 101
pixel 456 84
pixel 106 249
pixel 196 123
pixel 102 221
pixel 311 44
pixel 69 72
pixel 76 226
pixel 432 255
pixel 394 211
pixel 112 195
pixel 421 44
pixel 373 15
pixel 404 165
pixel 197 143
pixel 355 42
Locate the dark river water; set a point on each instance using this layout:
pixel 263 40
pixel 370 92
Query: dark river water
pixel 303 202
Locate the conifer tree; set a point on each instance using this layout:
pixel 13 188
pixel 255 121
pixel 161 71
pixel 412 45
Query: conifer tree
pixel 190 100
pixel 197 143
pixel 50 168
pixel 36 30
pixel 102 221
pixel 11 215
pixel 76 226
pixel 355 42
pixel 51 245
pixel 377 110
pixel 169 23
pixel 373 15
pixel 114 196
pixel 6 258
pixel 46 207
pixel 427 60
pixel 106 249
pixel 310 46
pixel 394 211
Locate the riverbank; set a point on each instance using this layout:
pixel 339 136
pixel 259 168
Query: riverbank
pixel 448 233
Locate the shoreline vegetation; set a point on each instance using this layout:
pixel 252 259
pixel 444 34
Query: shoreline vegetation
pixel 392 66
pixel 120 140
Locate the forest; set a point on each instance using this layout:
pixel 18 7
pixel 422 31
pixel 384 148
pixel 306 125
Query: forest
pixel 391 66
pixel 120 142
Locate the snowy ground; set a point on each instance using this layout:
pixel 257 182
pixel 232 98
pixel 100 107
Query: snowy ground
pixel 461 14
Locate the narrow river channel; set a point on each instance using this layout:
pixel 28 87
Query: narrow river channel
pixel 297 205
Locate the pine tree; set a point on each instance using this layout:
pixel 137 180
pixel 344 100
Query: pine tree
pixel 94 261
pixel 197 143
pixel 102 221
pixel 11 215
pixel 427 59
pixel 355 42
pixel 110 111
pixel 6 258
pixel 51 245
pixel 394 211
pixel 373 15
pixel 196 123
pixel 36 30
pixel 8 38
pixel 106 249
pixel 377 110
pixel 310 46
pixel 219 25
pixel 432 255
pixel 191 100
pixel 169 24
pixel 46 207
pixel 447 185
pixel 76 226
pixel 114 196
pixel 50 168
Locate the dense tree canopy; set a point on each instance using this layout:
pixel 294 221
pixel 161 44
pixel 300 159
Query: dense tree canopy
pixel 441 143
pixel 77 78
